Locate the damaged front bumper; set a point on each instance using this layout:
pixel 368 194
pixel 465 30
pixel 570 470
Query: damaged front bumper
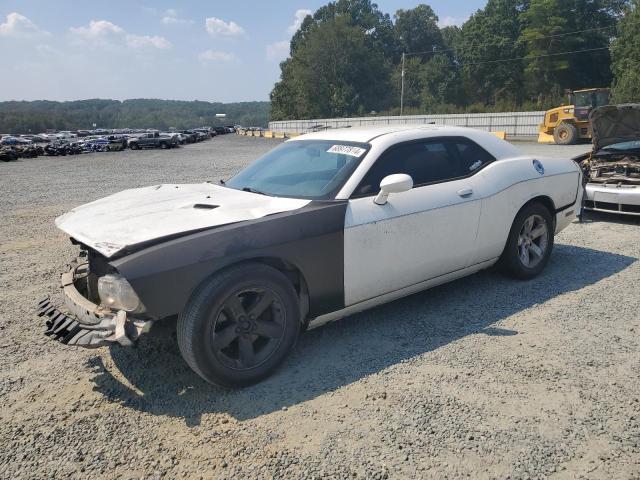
pixel 87 324
pixel 613 198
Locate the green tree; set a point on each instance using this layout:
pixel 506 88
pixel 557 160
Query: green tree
pixel 431 78
pixel 552 27
pixel 416 30
pixel 596 19
pixel 361 13
pixel 339 63
pixel 443 84
pixel 485 40
pixel 339 70
pixel 38 116
pixel 451 37
pixel 625 53
pixel 545 72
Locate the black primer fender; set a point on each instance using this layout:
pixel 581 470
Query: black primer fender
pixel 311 238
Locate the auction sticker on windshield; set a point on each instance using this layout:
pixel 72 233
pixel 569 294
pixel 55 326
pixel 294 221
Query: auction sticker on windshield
pixel 347 150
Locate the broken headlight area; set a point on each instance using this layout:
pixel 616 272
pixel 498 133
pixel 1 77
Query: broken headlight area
pixel 100 307
pixel 115 293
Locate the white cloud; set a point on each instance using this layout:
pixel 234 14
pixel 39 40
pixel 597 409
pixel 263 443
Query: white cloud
pixel 171 17
pixel 146 41
pixel 452 21
pixel 298 18
pixel 215 56
pixel 105 33
pixel 218 27
pixel 98 31
pixel 48 51
pixel 19 26
pixel 278 51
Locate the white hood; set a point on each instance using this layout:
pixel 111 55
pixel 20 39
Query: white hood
pixel 135 216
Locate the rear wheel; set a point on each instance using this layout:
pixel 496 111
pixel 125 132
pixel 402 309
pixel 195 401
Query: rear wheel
pixel 240 325
pixel 565 134
pixel 530 242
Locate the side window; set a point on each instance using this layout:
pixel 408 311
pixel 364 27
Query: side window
pixel 472 157
pixel 425 162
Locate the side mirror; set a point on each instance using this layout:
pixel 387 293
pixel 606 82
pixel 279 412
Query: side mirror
pixel 399 182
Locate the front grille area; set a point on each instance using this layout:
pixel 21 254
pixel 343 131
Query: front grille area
pixel 630 208
pixel 607 206
pixel 612 207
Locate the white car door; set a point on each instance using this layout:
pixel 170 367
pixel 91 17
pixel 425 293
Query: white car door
pixel 419 234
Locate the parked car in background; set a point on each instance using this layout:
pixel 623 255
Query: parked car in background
pixel 11 141
pixel 190 136
pixel 612 169
pixel 207 133
pixel 36 138
pixel 152 140
pixel 65 135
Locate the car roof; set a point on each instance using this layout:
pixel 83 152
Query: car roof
pixel 364 134
pixel 389 135
pixel 367 134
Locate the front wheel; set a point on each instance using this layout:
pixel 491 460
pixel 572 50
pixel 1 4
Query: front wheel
pixel 565 134
pixel 240 325
pixel 530 242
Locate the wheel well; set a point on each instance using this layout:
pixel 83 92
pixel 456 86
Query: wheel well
pixel 542 199
pixel 547 202
pixel 289 270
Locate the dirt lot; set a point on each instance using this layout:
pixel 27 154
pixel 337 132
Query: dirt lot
pixel 483 378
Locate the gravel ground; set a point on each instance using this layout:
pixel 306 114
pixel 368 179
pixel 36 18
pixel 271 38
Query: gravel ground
pixel 485 377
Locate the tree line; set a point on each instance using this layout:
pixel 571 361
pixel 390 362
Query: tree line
pixel 39 116
pixel 346 58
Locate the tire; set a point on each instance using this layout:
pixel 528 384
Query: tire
pixel 221 339
pixel 525 255
pixel 565 134
pixel 163 145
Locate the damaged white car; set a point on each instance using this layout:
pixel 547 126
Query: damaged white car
pixel 612 169
pixel 323 226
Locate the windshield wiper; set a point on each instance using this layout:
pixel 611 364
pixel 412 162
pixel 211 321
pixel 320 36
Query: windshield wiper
pixel 252 190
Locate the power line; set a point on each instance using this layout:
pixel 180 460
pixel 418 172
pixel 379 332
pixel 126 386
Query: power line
pixel 577 31
pixel 436 51
pixel 532 58
pixel 503 60
pixel 475 44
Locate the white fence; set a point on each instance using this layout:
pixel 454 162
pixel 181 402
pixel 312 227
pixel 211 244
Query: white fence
pixel 515 124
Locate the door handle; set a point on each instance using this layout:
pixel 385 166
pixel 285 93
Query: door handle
pixel 465 192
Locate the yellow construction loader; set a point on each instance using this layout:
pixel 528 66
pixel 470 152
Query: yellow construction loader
pixel 567 124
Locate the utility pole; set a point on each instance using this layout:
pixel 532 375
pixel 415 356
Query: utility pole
pixel 402 86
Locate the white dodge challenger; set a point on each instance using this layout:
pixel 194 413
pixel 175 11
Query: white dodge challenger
pixel 322 226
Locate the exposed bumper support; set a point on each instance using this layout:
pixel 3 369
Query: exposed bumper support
pixel 88 325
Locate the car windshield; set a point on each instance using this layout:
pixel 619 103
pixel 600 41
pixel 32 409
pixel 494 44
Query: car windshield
pixel 624 146
pixel 314 169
